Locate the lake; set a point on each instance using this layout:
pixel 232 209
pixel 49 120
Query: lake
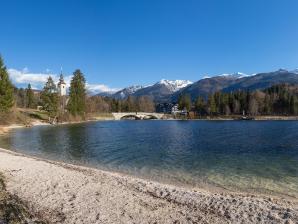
pixel 253 156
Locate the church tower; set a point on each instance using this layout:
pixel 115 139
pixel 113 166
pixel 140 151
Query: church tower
pixel 61 86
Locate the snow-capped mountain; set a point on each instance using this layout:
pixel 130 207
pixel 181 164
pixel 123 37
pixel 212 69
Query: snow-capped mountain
pixel 123 93
pixel 171 86
pixel 237 81
pixel 159 91
pixel 170 90
pixel 162 90
pixel 237 75
pixel 295 71
pixel 174 85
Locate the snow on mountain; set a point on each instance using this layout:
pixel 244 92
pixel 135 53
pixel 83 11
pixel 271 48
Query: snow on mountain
pixel 237 75
pixel 133 89
pixel 295 71
pixel 174 85
pixel 127 91
pixel 283 70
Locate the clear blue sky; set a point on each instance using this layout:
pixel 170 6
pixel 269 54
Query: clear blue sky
pixel 120 43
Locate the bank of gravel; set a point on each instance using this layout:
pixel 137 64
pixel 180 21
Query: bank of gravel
pixel 63 193
pixel 12 209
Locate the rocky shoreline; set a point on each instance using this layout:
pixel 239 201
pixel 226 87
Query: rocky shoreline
pixel 64 193
pixel 12 209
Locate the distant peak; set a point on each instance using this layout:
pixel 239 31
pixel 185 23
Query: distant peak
pixel 282 70
pixel 174 85
pixel 132 89
pixel 295 71
pixel 123 93
pixel 237 75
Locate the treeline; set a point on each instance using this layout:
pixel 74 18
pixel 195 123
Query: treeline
pixel 277 100
pixel 25 98
pixel 6 90
pixel 131 104
pixel 58 107
pixel 62 108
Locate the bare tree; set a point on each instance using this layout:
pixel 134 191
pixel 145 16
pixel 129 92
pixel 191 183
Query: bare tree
pixel 253 107
pixel 236 107
pixel 145 104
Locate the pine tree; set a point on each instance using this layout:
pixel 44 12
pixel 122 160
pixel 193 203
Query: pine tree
pixel 20 98
pixel 184 102
pixel 77 94
pixel 200 106
pixel 131 104
pixel 267 104
pixel 49 98
pixel 212 105
pixel 6 89
pixel 29 97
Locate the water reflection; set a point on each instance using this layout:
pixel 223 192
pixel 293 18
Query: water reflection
pixel 262 156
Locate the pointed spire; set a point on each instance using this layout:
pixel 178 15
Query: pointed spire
pixel 61 80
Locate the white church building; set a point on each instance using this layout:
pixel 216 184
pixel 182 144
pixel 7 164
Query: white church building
pixel 61 86
pixel 62 91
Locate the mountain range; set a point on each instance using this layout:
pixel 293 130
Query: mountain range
pixel 169 91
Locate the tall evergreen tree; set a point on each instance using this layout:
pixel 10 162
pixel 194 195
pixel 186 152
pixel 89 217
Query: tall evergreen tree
pixel 130 104
pixel 29 96
pixel 77 94
pixel 200 106
pixel 212 105
pixel 184 102
pixel 6 89
pixel 49 98
pixel 20 98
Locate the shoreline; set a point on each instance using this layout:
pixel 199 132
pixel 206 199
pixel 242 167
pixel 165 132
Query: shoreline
pixel 4 129
pixel 60 192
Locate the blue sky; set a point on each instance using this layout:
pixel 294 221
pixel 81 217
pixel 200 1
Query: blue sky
pixel 119 43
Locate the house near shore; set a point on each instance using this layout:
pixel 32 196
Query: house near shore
pixel 175 110
pixel 170 108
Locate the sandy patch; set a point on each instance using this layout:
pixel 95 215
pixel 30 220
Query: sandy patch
pixel 7 128
pixel 4 129
pixel 63 193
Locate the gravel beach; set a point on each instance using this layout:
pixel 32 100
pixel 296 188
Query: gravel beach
pixel 64 193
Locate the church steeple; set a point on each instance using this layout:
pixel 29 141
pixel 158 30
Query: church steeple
pixel 61 85
pixel 61 79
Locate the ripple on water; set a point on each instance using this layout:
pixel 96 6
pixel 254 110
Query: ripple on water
pixel 256 156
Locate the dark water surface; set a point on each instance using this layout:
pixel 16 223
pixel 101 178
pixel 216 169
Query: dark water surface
pixel 239 155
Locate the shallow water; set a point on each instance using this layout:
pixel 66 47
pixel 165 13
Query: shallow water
pixel 259 156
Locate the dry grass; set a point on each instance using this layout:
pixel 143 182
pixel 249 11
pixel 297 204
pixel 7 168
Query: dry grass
pixel 100 116
pixel 13 117
pixel 22 116
pixel 12 210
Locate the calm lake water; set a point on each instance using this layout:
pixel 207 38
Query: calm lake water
pixel 257 156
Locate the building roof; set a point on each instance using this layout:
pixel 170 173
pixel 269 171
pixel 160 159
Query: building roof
pixel 61 80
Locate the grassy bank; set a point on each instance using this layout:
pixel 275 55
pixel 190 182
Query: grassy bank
pixel 22 116
pixel 12 210
pixel 100 116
